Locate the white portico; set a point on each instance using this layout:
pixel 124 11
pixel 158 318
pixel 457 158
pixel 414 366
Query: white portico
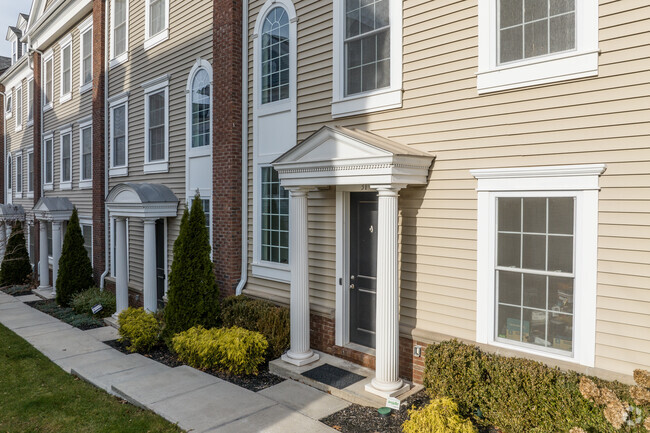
pixel 55 210
pixel 374 169
pixel 148 202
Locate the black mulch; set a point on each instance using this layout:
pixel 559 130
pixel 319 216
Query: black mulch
pixel 67 315
pixel 362 419
pixel 264 379
pixel 333 376
pixel 17 290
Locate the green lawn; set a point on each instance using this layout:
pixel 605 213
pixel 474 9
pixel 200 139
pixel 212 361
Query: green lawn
pixel 37 396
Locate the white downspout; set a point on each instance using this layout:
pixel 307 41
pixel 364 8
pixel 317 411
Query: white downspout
pixel 4 141
pixel 107 221
pixel 244 152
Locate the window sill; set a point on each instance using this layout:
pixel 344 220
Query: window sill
pixel 8 115
pixel 48 187
pixel 30 123
pixel 118 60
pixel 19 195
pixel 30 194
pixel 156 167
pixel 63 186
pixel 540 71
pixel 515 348
pixel 118 171
pixel 367 103
pixel 85 184
pixel 86 87
pixel 19 128
pixel 156 39
pixel 65 98
pixel 48 107
pixel 269 271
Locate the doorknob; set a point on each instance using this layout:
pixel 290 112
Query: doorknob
pixel 352 281
pixel 352 286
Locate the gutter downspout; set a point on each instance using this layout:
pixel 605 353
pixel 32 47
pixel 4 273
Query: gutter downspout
pixel 107 221
pixel 244 153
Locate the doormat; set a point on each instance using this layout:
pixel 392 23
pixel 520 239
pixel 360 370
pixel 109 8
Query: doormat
pixel 333 376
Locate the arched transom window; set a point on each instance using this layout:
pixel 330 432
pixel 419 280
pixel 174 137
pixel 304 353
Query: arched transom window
pixel 201 109
pixel 275 56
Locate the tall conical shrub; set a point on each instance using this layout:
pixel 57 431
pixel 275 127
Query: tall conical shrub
pixel 75 270
pixel 192 294
pixel 15 264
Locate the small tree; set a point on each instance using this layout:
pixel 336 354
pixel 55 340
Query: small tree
pixel 75 269
pixel 193 295
pixel 15 265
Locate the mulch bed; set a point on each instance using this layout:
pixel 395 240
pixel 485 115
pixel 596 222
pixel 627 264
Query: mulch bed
pixel 67 315
pixel 17 290
pixel 264 379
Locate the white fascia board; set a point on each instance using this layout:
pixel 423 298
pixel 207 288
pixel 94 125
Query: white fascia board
pixel 59 22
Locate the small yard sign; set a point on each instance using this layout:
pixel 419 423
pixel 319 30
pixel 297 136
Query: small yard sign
pixel 97 308
pixel 392 403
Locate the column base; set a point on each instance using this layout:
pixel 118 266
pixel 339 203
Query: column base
pixel 46 288
pixel 300 361
pixel 386 394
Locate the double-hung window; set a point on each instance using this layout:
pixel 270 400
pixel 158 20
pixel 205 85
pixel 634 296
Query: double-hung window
pixel 9 104
pixel 86 155
pixel 86 55
pixel 19 108
pixel 66 69
pixel 120 31
pixel 30 173
pixel 87 232
pixel 119 135
pixel 528 42
pixel 367 56
pixel 200 115
pixel 10 173
pixel 537 237
pixel 275 56
pixel 48 81
pixel 156 112
pixel 275 218
pixel 19 175
pixel 30 101
pixel 66 159
pixel 14 52
pixel 48 162
pixel 156 22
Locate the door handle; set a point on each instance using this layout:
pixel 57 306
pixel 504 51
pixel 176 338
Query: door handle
pixel 351 281
pixel 351 286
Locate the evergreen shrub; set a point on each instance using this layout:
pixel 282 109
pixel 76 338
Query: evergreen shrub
pixel 139 329
pixel 15 268
pixel 235 349
pixel 517 395
pixel 75 269
pixel 439 416
pixel 260 316
pixel 84 301
pixel 193 295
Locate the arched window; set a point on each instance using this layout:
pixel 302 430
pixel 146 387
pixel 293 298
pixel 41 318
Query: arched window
pixel 275 56
pixel 201 109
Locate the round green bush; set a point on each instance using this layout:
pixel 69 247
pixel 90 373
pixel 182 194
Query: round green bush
pixel 439 416
pixel 139 329
pixel 83 302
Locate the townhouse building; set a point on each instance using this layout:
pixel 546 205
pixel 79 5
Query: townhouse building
pixel 426 170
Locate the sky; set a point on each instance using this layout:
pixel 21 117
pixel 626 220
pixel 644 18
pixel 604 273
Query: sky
pixel 8 17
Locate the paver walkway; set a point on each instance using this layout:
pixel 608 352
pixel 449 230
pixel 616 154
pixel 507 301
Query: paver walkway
pixel 197 401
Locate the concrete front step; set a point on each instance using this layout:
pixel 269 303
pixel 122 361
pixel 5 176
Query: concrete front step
pixel 308 401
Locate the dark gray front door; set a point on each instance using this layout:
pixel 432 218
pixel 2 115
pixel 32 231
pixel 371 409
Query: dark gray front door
pixel 160 260
pixel 363 267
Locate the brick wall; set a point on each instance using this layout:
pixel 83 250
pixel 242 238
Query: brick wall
pixel 99 57
pixel 227 144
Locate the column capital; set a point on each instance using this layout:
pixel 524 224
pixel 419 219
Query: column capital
pixel 120 218
pixel 388 190
pixel 56 224
pixel 298 191
pixel 150 220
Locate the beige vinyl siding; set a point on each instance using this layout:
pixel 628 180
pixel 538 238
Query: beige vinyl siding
pixel 66 115
pixel 175 57
pixel 594 120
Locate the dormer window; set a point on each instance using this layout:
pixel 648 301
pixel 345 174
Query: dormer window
pixel 14 52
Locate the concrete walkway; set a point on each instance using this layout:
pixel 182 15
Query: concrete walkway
pixel 196 401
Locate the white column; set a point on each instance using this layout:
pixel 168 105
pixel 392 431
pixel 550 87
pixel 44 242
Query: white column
pixel 150 287
pixel 121 278
pixel 56 252
pixel 387 382
pixel 299 353
pixel 3 240
pixel 44 269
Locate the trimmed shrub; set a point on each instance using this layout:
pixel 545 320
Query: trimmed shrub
pixel 193 295
pixel 15 267
pixel 84 301
pixel 139 329
pixel 259 316
pixel 439 416
pixel 75 270
pixel 517 395
pixel 235 349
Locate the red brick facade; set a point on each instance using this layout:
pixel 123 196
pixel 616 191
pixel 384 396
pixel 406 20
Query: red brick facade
pixel 99 152
pixel 227 143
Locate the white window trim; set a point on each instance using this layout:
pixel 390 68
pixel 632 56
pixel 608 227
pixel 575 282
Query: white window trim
pixel 151 41
pixel 115 102
pixel 30 90
pixel 123 57
pixel 375 100
pixel 9 177
pixel 579 63
pixel 200 64
pixel 153 86
pixel 579 181
pixel 30 193
pixel 85 183
pixel 18 103
pixel 65 43
pixel 17 156
pixel 86 26
pixel 9 104
pixel 85 221
pixel 49 56
pixel 47 186
pixel 65 185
